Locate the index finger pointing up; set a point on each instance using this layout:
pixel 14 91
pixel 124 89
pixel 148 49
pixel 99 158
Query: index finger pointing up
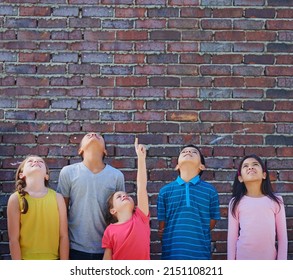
pixel 136 142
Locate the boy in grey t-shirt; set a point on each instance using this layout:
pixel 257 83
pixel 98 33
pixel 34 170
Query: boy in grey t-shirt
pixel 86 186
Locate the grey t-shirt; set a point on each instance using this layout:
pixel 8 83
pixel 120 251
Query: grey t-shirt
pixel 88 193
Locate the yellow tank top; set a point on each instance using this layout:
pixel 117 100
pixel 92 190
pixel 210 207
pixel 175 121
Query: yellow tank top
pixel 39 228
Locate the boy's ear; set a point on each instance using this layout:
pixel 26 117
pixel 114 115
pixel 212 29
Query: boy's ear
pixel 80 151
pixel 105 152
pixel 177 167
pixel 202 167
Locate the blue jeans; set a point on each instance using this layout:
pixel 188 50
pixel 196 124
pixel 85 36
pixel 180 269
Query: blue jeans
pixel 79 255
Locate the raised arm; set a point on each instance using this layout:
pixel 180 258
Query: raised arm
pixel 142 195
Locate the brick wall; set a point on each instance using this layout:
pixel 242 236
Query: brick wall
pixel 217 73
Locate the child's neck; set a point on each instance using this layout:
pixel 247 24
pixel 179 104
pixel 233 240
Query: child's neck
pixel 124 216
pixel 253 189
pixel 187 175
pixel 94 163
pixel 35 186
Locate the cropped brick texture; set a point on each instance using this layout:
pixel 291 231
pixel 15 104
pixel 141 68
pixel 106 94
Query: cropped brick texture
pixel 215 73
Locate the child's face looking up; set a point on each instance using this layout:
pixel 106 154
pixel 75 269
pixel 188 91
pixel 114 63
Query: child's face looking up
pixel 190 155
pixel 121 200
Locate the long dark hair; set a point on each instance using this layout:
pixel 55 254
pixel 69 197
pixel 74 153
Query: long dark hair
pixel 20 184
pixel 239 188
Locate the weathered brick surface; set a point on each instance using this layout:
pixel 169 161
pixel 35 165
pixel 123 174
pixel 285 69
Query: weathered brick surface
pixel 216 73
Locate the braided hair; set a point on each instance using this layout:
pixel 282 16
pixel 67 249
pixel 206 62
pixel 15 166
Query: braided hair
pixel 20 184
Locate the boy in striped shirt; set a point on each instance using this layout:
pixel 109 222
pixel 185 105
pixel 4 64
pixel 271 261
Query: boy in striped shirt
pixel 187 210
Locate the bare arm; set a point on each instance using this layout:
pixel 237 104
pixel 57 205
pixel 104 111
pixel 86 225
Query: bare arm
pixel 213 224
pixel 142 195
pixel 107 254
pixel 66 200
pixel 63 229
pixel 13 222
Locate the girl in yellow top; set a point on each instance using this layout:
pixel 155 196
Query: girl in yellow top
pixel 36 215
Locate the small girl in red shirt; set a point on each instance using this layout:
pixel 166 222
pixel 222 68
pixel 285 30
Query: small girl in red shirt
pixel 127 236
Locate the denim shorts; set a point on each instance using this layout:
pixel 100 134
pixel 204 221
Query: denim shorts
pixel 79 255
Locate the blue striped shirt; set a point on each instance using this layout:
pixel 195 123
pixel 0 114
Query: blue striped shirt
pixel 186 209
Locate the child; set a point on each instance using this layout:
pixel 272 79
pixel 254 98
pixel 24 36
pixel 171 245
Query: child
pixel 256 215
pixel 86 186
pixel 36 214
pixel 187 210
pixel 128 237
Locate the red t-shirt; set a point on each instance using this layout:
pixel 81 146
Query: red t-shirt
pixel 129 240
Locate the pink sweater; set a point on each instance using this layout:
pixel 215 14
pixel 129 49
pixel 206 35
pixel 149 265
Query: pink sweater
pixel 253 232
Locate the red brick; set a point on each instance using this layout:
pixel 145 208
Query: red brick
pixel 260 82
pixel 279 71
pixel 229 36
pixel 182 70
pixel 216 24
pixel 261 151
pixel 19 138
pixel 129 59
pixel 247 117
pixel 189 104
pixel 52 139
pixel 227 12
pixel 130 127
pixel 32 127
pixel 183 47
pixel 34 57
pixel 149 116
pixel 165 81
pixel 261 36
pixel 195 58
pixel 132 35
pixel 229 82
pixel 225 58
pixel 196 82
pixel 214 116
pixel 182 116
pixel 128 105
pixel 248 140
pixel 215 70
pixel 35 11
pixel 151 23
pixel 278 117
pixel 130 12
pixel 194 12
pixel 279 25
pixel 284 59
pixel 224 105
pixel 131 81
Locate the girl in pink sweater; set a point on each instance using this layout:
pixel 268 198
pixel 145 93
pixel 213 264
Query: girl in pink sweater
pixel 256 220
